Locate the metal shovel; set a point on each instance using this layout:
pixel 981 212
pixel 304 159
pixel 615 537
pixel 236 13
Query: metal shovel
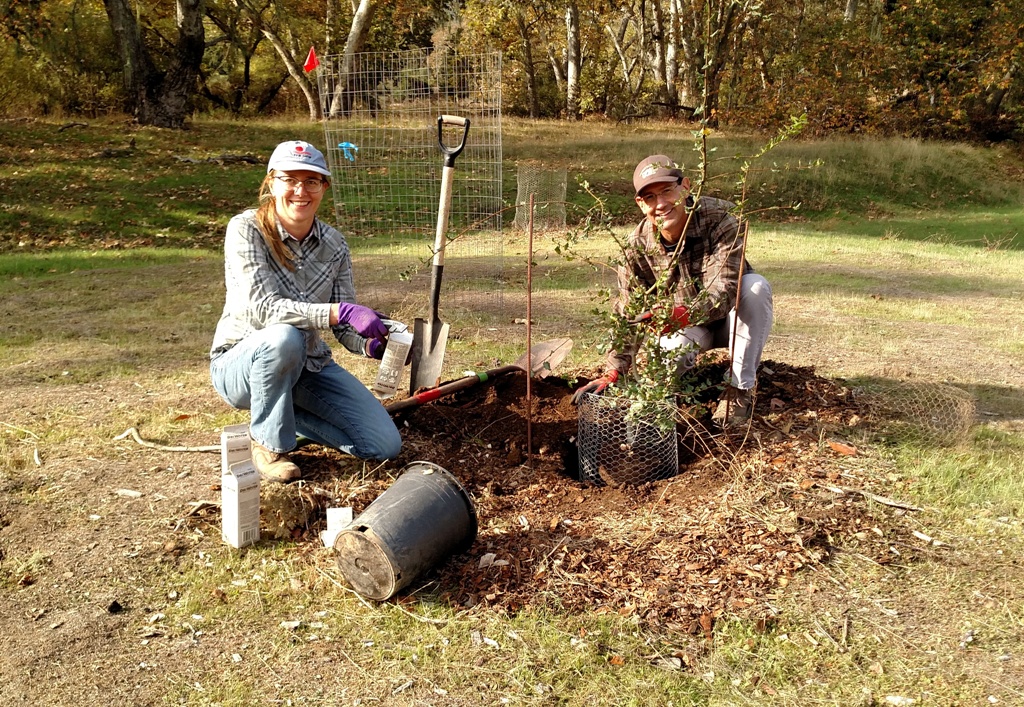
pixel 431 337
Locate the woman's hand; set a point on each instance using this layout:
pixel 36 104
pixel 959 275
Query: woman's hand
pixel 363 319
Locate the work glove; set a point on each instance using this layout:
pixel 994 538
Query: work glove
pixel 595 386
pixel 374 349
pixel 680 316
pixel 393 325
pixel 364 320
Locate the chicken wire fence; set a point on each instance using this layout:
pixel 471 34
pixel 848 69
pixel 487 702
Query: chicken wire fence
pixel 547 187
pixel 932 412
pixel 619 444
pixel 381 113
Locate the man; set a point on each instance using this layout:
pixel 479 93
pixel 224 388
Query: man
pixel 698 245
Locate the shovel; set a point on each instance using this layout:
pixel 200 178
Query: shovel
pixel 430 337
pixel 543 359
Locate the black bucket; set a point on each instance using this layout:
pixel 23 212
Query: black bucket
pixel 422 518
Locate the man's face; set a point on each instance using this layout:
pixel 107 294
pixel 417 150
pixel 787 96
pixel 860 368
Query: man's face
pixel 664 204
pixel 296 196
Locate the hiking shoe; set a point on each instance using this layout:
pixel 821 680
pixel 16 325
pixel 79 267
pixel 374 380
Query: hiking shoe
pixel 274 466
pixel 740 404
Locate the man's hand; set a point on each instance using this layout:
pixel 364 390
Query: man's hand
pixel 681 316
pixel 364 320
pixel 680 319
pixel 595 386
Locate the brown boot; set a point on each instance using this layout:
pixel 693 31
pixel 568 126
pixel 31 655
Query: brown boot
pixel 274 466
pixel 740 404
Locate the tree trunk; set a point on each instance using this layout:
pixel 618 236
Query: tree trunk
pixel 341 102
pixel 159 98
pixel 572 66
pixel 556 65
pixel 851 11
pixel 296 72
pixel 672 55
pixel 657 45
pixel 618 37
pixel 531 74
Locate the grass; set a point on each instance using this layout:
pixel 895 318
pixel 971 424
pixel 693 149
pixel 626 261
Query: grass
pixel 907 265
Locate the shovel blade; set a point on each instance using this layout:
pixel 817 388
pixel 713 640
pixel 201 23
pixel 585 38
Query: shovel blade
pixel 543 358
pixel 430 338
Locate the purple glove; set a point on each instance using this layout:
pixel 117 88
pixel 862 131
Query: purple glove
pixel 375 349
pixel 363 319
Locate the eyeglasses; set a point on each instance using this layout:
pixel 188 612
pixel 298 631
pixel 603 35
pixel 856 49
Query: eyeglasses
pixel 312 186
pixel 652 198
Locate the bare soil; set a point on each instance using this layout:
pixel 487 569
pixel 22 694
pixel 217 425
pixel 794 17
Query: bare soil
pixel 746 510
pixel 85 564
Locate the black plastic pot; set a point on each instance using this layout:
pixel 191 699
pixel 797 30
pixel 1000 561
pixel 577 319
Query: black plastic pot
pixel 421 519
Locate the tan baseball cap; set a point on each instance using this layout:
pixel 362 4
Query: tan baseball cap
pixel 655 169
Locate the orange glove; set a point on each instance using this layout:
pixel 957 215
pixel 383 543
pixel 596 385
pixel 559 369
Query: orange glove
pixel 595 386
pixel 680 315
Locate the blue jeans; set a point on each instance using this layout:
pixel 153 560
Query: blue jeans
pixel 266 373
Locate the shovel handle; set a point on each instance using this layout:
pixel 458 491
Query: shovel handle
pixel 450 153
pixel 448 388
pixel 445 206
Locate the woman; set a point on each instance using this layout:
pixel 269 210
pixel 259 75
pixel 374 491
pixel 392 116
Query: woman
pixel 288 275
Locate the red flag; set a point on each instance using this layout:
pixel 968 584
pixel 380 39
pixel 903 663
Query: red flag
pixel 311 61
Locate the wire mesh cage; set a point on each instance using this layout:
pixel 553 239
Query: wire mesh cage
pixel 623 443
pixel 933 412
pixel 547 187
pixel 381 128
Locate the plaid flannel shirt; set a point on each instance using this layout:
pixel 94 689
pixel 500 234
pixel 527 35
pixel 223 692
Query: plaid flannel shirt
pixel 261 292
pixel 705 266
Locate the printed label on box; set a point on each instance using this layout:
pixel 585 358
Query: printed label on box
pixel 240 504
pixel 234 446
pixel 389 376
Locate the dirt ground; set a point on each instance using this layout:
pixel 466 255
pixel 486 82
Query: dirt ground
pixel 746 510
pixel 87 539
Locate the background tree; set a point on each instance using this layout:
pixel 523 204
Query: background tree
pixel 910 67
pixel 158 93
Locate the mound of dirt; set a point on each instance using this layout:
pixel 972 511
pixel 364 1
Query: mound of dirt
pixel 746 510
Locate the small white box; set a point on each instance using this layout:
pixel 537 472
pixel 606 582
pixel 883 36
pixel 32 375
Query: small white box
pixel 389 376
pixel 240 504
pixel 234 446
pixel 337 520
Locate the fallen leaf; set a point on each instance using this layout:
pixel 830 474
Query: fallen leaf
pixel 842 447
pixel 617 660
pixel 705 624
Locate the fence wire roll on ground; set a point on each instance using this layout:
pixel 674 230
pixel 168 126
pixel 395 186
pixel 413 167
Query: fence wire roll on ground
pixel 926 411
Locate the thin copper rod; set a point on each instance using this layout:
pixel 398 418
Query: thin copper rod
pixel 529 339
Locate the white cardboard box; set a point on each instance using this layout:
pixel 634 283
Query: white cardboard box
pixel 240 504
pixel 337 520
pixel 392 366
pixel 234 446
